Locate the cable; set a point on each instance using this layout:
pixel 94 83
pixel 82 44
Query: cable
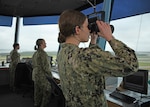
pixel 139 33
pixel 94 6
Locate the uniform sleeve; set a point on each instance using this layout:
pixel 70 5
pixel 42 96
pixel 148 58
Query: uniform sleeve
pixel 15 57
pixel 95 60
pixel 45 64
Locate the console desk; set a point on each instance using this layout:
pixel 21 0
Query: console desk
pixel 4 79
pixel 4 75
pixel 117 103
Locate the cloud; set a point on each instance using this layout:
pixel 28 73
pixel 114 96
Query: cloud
pixel 133 31
pixel 29 35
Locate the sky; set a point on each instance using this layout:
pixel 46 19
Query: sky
pixel 133 31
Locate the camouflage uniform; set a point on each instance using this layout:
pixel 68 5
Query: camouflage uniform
pixel 82 71
pixel 15 59
pixel 41 68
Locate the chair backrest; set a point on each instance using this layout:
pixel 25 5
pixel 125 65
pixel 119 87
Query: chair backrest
pixel 23 74
pixel 57 99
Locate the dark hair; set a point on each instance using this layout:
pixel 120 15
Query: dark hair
pixel 15 45
pixel 68 20
pixel 38 43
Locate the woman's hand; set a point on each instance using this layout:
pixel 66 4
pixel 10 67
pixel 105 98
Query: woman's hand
pixel 94 37
pixel 105 30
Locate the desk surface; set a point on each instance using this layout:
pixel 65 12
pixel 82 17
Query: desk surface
pixel 6 65
pixel 140 99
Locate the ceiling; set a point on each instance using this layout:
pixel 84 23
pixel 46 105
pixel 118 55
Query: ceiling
pixel 28 8
pixel 33 11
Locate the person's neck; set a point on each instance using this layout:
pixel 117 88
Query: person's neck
pixel 41 48
pixel 73 40
pixel 16 49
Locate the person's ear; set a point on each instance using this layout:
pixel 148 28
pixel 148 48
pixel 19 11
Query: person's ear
pixel 77 30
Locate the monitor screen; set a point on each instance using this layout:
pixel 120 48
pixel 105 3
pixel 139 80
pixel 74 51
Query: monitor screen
pixel 8 59
pixel 137 82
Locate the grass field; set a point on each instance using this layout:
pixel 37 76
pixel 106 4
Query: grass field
pixel 143 58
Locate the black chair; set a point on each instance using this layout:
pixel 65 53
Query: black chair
pixel 57 98
pixel 23 79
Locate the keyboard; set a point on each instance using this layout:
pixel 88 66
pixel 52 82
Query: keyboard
pixel 122 97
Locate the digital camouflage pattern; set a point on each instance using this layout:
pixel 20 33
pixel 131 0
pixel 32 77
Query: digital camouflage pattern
pixel 82 71
pixel 41 68
pixel 15 59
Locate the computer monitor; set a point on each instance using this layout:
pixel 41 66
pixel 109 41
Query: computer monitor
pixel 137 82
pixel 8 59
